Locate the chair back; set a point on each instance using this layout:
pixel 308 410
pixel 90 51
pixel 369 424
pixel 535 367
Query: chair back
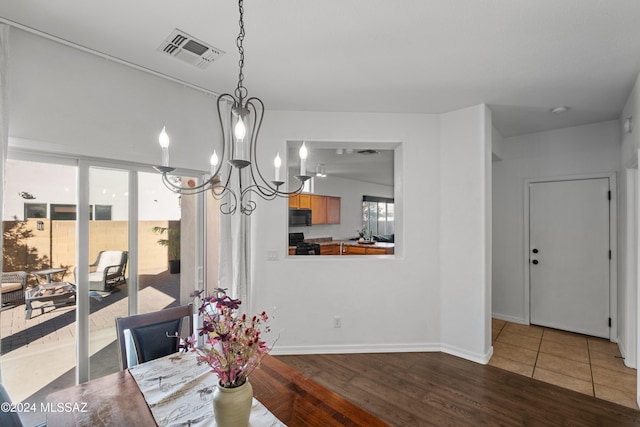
pixel 149 332
pixel 109 258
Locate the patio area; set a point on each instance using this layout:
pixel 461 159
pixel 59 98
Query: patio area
pixel 38 354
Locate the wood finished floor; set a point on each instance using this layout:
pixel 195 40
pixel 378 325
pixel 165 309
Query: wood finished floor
pixel 437 389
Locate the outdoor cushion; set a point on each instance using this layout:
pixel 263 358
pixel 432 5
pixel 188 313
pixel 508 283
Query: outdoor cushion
pixel 108 258
pixel 10 287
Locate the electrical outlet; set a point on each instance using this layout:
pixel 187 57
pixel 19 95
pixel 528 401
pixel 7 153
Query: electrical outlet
pixel 337 322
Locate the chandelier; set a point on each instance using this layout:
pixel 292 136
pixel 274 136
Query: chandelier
pixel 240 126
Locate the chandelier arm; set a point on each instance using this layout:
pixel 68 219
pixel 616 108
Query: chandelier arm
pixel 255 188
pixel 221 98
pixel 248 208
pixel 226 207
pixel 264 187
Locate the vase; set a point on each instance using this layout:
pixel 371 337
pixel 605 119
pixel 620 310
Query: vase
pixel 232 406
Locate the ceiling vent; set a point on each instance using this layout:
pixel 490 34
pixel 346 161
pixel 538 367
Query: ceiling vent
pixel 189 49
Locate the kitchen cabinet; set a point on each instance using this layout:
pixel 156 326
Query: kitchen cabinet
pixel 300 201
pixel 354 250
pixel 378 251
pixel 324 209
pixel 318 209
pixel 351 248
pixel 331 249
pixel 357 249
pixel 333 210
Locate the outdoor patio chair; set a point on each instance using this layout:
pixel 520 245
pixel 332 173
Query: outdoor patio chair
pixel 107 271
pixel 14 284
pixel 144 337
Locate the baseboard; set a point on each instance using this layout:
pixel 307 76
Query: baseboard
pixel 508 318
pixel 356 348
pixel 474 357
pixel 625 359
pixel 384 348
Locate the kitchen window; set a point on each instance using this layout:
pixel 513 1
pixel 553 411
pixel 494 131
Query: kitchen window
pixel 378 216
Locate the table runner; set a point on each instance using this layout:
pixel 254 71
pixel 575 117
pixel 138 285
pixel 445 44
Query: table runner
pixel 179 392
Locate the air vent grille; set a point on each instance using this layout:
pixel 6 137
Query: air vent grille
pixel 189 49
pixel 368 152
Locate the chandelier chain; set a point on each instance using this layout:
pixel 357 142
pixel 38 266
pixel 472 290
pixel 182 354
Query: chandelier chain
pixel 241 91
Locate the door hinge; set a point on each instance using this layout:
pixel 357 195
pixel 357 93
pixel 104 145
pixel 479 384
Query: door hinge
pixel 609 195
pixel 609 321
pixel 609 254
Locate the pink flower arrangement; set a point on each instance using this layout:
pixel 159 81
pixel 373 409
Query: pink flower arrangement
pixel 233 344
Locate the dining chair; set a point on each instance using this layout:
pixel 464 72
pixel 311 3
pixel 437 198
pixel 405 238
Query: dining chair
pixel 151 335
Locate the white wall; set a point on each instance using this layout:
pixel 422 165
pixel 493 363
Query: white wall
pixel 629 187
pixel 87 106
pixel 373 295
pixel 67 101
pixel 465 246
pixel 585 149
pixel 496 144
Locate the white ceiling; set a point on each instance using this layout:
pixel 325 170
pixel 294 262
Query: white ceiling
pixel 346 160
pixel 521 57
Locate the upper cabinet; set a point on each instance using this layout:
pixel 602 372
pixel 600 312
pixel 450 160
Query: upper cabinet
pixel 324 209
pixel 333 210
pixel 318 210
pixel 300 201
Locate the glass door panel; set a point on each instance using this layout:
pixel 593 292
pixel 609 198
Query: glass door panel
pixel 38 346
pixel 108 276
pixel 159 244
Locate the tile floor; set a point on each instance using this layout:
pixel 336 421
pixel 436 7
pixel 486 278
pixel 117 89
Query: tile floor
pixel 585 364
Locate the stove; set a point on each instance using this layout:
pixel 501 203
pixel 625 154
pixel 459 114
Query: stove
pixel 302 247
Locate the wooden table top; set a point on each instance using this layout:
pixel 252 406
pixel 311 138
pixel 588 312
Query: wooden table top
pixel 116 400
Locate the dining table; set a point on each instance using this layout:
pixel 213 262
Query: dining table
pixel 289 397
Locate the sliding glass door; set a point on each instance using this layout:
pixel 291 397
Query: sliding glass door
pixel 87 234
pixel 38 317
pixel 108 253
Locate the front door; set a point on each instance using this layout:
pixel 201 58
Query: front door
pixel 569 255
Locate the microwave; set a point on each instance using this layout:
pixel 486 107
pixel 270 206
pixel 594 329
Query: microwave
pixel 299 217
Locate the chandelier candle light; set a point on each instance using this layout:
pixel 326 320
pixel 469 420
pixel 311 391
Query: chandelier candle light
pixel 239 149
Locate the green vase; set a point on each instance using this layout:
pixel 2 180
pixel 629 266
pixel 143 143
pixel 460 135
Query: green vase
pixel 232 406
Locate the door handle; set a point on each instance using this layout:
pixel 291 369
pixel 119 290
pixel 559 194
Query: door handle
pixel 535 261
pixel 535 251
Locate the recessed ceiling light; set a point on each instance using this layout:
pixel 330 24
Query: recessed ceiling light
pixel 559 110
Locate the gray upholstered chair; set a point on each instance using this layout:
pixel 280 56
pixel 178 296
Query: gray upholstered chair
pixel 151 334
